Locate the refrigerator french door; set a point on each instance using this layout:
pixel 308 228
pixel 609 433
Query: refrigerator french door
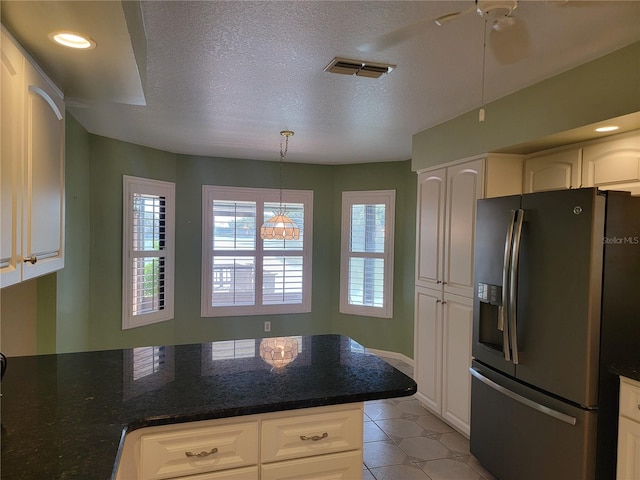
pixel 539 266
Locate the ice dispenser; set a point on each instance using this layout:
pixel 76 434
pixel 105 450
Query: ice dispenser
pixel 491 318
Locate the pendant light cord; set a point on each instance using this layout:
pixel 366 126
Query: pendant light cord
pixel 484 58
pixel 283 153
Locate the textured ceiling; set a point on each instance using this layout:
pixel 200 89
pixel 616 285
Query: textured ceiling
pixel 222 78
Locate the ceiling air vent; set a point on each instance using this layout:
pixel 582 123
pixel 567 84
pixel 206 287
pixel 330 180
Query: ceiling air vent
pixel 345 66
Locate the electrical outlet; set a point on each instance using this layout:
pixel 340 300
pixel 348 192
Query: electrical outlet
pixel 267 326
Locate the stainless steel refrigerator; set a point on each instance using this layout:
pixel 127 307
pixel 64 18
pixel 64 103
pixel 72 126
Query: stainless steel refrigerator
pixel 557 304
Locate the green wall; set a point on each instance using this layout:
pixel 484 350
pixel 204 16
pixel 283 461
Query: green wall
pixel 390 334
pixel 89 292
pixel 605 88
pixel 72 316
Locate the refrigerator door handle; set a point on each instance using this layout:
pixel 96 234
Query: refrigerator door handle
pixel 503 323
pixel 524 400
pixel 513 285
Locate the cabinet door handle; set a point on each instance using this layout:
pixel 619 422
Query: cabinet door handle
pixel 202 454
pixel 314 438
pixel 32 259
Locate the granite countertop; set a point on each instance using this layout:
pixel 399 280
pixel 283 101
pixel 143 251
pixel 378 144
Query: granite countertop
pixel 64 416
pixel 627 369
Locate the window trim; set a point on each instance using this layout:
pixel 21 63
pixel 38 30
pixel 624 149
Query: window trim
pixel 260 196
pixel 387 197
pixel 131 185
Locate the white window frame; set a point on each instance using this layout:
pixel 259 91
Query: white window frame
pixel 146 186
pixel 372 197
pixel 260 196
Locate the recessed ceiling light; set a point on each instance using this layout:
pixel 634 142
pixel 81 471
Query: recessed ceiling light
pixel 72 40
pixel 607 128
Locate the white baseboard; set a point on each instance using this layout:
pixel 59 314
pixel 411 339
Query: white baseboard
pixel 394 355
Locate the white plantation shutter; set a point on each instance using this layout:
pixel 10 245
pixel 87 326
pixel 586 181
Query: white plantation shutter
pixel 244 274
pixel 148 250
pixel 366 270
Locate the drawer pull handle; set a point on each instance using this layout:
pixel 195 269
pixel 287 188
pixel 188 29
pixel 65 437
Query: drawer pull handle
pixel 314 438
pixel 639 406
pixel 201 454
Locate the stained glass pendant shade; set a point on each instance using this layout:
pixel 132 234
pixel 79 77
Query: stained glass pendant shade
pixel 280 226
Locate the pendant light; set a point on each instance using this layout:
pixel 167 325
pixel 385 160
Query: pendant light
pixel 281 227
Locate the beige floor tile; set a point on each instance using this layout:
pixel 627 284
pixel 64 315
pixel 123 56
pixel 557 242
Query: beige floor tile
pixel 423 448
pixel 433 424
pixel 382 410
pixel 373 433
pixel 400 428
pixel 456 443
pixel 400 472
pixel 449 469
pixel 367 475
pixel 383 454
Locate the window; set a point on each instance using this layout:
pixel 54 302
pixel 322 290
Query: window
pixel 366 266
pixel 148 251
pixel 243 274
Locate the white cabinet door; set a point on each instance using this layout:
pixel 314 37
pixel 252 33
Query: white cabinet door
pixel 11 121
pixel 457 326
pixel 613 164
pixel 428 347
pixel 553 171
pixel 430 228
pixel 32 175
pixel 464 188
pixel 43 194
pixel 628 450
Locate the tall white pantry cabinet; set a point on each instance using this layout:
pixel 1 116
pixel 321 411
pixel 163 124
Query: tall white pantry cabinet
pixel 444 290
pixel 32 169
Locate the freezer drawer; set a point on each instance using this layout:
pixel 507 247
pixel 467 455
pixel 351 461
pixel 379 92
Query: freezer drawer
pixel 519 433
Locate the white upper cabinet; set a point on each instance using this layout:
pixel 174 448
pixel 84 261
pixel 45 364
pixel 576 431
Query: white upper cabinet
pixel 32 169
pixel 464 188
pixel 553 171
pixel 609 163
pixel 445 226
pixel 430 227
pixel 446 214
pixel 11 121
pixel 613 164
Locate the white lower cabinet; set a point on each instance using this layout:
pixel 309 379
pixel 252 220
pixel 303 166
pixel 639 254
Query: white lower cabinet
pixel 629 431
pixel 443 327
pixel 320 442
pixel 196 450
pixel 339 466
pixel 248 473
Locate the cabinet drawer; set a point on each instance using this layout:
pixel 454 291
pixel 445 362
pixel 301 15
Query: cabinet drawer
pixel 630 399
pixel 175 453
pixel 245 473
pixel 338 466
pixel 311 434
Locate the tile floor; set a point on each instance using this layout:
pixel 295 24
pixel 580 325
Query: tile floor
pixel 403 441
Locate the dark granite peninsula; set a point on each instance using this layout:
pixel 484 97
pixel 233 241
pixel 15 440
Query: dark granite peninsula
pixel 66 416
